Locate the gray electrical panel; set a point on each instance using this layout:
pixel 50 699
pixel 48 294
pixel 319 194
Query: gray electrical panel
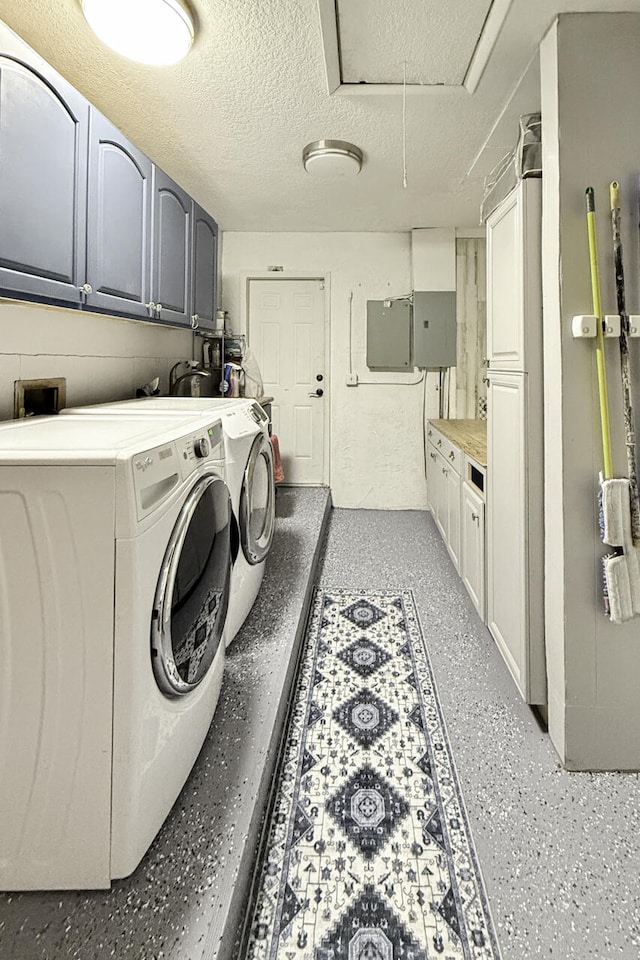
pixel 434 328
pixel 388 334
pixel 400 336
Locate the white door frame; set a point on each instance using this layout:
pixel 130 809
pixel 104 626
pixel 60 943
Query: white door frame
pixel 245 277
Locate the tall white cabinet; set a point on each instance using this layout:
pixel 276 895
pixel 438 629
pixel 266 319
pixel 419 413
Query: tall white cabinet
pixel 514 508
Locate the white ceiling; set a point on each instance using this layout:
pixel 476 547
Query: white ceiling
pixel 229 122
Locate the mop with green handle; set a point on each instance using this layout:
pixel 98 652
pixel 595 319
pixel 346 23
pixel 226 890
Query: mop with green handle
pixel 597 310
pixel 621 570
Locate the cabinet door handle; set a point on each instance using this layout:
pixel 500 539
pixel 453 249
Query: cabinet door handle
pixel 475 517
pixel 446 472
pixel 195 321
pixel 452 455
pixel 440 442
pixel 432 455
pixel 158 307
pixel 86 288
pixel 151 306
pixel 429 432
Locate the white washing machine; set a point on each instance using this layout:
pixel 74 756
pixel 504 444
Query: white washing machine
pixel 249 472
pixel 115 562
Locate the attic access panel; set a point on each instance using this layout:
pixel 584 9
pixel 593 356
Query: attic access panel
pixel 436 39
pixel 445 45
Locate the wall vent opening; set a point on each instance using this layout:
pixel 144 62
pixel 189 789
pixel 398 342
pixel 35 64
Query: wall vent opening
pixel 39 398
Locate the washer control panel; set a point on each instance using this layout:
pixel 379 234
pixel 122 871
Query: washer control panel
pixel 206 444
pixel 201 447
pixel 157 472
pixel 243 420
pixel 258 414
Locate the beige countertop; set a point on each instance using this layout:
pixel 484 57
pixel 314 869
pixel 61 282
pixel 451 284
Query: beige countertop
pixel 469 435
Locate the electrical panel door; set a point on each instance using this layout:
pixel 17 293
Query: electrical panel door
pixel 434 328
pixel 389 334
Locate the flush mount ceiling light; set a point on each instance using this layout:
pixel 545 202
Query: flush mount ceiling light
pixel 155 32
pixel 332 158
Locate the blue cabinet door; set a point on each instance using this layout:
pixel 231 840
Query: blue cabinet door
pixel 118 222
pixel 171 259
pixel 205 269
pixel 43 178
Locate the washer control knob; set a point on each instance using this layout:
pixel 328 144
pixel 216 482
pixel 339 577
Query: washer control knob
pixel 201 447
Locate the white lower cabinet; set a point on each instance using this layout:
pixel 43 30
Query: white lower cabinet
pixel 472 546
pixel 443 486
pixel 455 497
pixel 452 485
pixel 434 483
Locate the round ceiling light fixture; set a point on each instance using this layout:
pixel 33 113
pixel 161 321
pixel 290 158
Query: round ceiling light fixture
pixel 332 158
pixel 154 32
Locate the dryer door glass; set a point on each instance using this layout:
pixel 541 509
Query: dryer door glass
pixel 257 503
pixel 193 590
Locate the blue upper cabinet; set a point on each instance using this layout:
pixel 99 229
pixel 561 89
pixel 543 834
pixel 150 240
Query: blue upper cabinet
pixel 205 264
pixel 86 219
pixel 118 222
pixel 171 258
pixel 43 178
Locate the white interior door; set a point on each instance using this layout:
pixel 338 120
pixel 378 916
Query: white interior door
pixel 286 332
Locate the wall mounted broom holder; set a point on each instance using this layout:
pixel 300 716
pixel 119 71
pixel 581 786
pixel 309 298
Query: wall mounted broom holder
pixel 583 327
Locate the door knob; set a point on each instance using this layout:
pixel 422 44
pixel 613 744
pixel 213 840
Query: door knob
pixel 319 377
pixel 317 393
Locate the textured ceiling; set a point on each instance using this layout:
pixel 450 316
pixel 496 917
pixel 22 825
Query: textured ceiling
pixel 436 40
pixel 229 122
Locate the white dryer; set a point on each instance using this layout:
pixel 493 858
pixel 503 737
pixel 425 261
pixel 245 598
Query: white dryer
pixel 115 562
pixel 249 473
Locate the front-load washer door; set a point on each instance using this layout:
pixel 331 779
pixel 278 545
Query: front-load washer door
pixel 192 595
pixel 257 502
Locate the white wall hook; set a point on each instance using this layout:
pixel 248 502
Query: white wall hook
pixel 584 326
pixel 612 325
pixel 634 325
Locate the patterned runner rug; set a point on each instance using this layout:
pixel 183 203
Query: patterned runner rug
pixel 369 855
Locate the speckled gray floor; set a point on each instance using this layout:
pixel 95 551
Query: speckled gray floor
pixel 186 898
pixel 560 852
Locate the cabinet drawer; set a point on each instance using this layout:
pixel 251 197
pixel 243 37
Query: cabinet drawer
pixel 448 450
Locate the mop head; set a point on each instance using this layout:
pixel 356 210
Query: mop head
pixel 622 568
pixel 615 512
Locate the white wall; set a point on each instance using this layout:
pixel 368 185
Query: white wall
pixel 376 446
pixel 103 358
pixel 590 72
pixel 466 385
